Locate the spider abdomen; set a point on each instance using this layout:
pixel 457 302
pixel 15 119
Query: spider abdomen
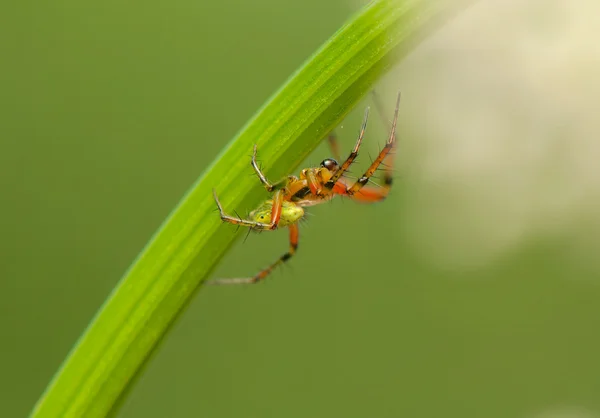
pixel 291 213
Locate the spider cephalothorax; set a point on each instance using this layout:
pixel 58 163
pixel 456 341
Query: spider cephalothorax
pixel 313 186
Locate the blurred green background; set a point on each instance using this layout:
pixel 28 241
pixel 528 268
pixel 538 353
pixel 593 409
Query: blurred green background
pixel 471 292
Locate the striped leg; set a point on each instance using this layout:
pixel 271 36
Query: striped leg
pixel 265 272
pixel 369 194
pixel 340 172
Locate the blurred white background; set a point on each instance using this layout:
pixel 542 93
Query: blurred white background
pixel 510 151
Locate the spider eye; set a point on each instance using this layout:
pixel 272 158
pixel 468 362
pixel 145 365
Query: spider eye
pixel 329 164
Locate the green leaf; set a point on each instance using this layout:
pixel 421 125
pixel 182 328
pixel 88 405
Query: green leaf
pixel 190 243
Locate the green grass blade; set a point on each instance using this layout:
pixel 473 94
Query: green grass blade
pixel 191 242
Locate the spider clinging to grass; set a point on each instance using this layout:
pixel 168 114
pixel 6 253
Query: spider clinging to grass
pixel 315 185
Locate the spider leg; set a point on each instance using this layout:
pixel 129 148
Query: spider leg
pixel 259 173
pixel 277 207
pixel 333 139
pixel 244 222
pixel 370 193
pixel 340 172
pixel 265 272
pixel 367 194
pixel 314 184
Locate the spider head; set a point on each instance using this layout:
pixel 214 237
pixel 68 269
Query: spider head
pixel 330 164
pixel 327 169
pixel 290 213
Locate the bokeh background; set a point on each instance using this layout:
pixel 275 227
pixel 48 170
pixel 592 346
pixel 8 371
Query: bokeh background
pixel 473 291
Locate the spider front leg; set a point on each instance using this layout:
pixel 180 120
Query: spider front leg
pixel 261 226
pixel 294 233
pixel 342 169
pixel 357 190
pixel 332 137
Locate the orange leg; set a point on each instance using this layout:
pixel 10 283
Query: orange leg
pixel 276 211
pixel 313 184
pixel 364 179
pixel 265 272
pixel 367 194
pixel 340 172
pixel 294 185
pixel 332 137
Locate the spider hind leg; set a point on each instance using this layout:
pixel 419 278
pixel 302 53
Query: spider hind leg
pixel 263 274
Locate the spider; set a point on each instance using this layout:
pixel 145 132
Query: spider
pixel 314 186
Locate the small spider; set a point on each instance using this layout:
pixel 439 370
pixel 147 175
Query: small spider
pixel 313 186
